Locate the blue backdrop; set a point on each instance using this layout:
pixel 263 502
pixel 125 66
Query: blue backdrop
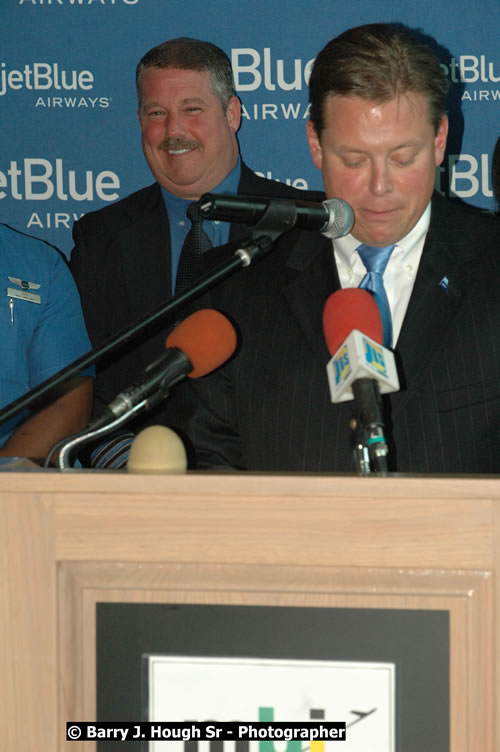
pixel 70 139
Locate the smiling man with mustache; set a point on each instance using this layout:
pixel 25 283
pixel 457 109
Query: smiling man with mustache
pixel 188 131
pixel 126 255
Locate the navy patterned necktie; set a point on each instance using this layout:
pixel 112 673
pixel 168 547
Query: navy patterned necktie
pixel 196 243
pixel 375 261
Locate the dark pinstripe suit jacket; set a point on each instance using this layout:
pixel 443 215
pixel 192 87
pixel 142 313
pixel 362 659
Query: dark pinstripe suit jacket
pixel 269 408
pixel 121 263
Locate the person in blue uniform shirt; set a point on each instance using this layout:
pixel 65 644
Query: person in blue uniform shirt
pixel 42 331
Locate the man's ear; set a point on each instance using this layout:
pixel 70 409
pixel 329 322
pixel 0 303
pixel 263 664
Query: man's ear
pixel 233 114
pixel 314 145
pixel 440 140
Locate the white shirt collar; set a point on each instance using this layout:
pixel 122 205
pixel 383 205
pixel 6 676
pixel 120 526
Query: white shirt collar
pixel 345 248
pixel 400 273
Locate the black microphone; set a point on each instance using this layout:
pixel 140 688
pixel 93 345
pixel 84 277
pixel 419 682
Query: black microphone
pixel 198 345
pixel 164 372
pixel 333 217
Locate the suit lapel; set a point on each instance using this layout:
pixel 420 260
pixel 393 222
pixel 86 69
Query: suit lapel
pixel 440 288
pixel 310 266
pixel 147 287
pixel 306 294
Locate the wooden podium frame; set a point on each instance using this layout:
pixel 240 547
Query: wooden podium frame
pixel 72 539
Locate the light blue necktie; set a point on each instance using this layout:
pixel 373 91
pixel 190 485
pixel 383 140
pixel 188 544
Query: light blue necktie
pixel 375 261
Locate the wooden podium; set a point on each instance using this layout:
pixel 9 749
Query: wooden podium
pixel 70 540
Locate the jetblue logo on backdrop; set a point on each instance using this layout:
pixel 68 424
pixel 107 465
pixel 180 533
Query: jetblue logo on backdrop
pixel 477 70
pixel 467 175
pixel 67 87
pixel 469 69
pixel 254 70
pixel 43 76
pixel 258 69
pixel 42 180
pixel 38 179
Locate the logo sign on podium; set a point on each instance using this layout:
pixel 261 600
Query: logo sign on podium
pixel 259 692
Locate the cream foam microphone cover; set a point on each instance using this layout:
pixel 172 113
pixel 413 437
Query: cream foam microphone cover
pixel 157 449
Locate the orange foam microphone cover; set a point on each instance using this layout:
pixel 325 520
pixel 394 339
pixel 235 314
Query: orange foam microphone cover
pixel 349 309
pixel 207 337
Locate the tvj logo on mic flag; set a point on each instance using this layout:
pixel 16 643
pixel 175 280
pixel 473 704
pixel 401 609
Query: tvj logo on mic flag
pixel 260 692
pixel 342 366
pixel 374 357
pixel 360 357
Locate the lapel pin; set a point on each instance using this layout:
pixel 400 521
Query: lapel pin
pixel 23 284
pixel 444 284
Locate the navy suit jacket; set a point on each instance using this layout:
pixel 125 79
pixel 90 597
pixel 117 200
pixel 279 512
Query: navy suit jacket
pixel 269 408
pixel 122 266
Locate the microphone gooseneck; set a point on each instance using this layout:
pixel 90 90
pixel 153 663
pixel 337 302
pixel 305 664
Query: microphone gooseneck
pixel 199 344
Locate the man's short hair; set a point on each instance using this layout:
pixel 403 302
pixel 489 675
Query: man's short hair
pixel 191 54
pixel 377 62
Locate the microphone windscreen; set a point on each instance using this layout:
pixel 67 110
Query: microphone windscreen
pixel 349 309
pixel 157 449
pixel 207 337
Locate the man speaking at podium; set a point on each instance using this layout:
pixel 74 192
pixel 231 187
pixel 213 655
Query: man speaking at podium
pixel 378 129
pixel 130 257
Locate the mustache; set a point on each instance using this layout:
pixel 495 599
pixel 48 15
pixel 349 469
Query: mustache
pixel 178 143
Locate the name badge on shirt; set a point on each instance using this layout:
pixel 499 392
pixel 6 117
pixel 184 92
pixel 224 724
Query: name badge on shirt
pixel 24 293
pixel 31 297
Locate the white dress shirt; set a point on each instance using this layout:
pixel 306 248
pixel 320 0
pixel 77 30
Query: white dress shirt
pixel 400 273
